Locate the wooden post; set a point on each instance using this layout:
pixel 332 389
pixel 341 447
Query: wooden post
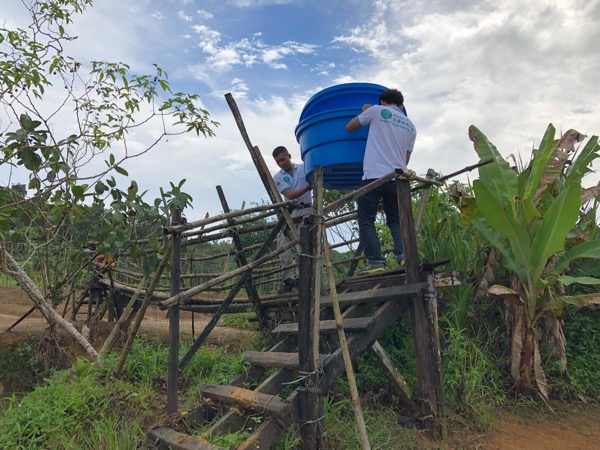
pixel 441 429
pixel 423 201
pixel 311 428
pixel 174 318
pixel 309 393
pixel 241 260
pixel 425 365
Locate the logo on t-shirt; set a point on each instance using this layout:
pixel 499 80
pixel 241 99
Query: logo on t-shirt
pixel 286 179
pixel 385 114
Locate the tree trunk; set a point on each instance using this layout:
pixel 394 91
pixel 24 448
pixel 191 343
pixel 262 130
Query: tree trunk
pixel 524 383
pixel 10 266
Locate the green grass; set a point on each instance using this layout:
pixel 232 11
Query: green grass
pixel 342 431
pixel 243 321
pixel 85 407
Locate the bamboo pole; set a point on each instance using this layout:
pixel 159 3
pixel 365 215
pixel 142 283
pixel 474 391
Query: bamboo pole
pixel 261 166
pixel 360 420
pixel 173 229
pixel 125 317
pixel 183 296
pixel 142 311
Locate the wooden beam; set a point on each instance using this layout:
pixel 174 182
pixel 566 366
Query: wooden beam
pixel 327 326
pixel 179 441
pixel 279 360
pixel 397 381
pixel 266 404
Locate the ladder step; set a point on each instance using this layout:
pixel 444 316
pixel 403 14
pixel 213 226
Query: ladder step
pixel 179 441
pixel 266 404
pixel 376 295
pixel 278 360
pixel 328 326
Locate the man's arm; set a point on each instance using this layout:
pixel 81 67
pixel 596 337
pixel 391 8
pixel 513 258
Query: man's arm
pixel 354 124
pixel 408 157
pixel 293 194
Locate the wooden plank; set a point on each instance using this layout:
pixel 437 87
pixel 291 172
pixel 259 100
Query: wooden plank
pixel 254 373
pixel 396 379
pixel 278 360
pixel 270 430
pixel 377 295
pixel 267 404
pixel 232 421
pixel 179 441
pixel 327 326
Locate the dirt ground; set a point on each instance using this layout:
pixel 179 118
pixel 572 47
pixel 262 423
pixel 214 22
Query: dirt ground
pixel 574 427
pixel 14 304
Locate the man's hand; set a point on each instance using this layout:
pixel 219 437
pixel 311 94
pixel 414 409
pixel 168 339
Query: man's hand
pixel 366 106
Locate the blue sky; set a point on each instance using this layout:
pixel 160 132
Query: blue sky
pixel 508 67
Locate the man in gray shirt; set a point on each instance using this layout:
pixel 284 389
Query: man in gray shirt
pixel 291 183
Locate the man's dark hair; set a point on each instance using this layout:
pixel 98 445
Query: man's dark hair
pixel 279 150
pixel 392 97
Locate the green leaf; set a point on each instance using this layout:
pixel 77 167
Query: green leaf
pixel 502 222
pixel 498 176
pixel 78 192
pixel 100 188
pixel 580 166
pixel 558 220
pixel 121 170
pixel 539 163
pixel 503 245
pixel 590 249
pixel 567 280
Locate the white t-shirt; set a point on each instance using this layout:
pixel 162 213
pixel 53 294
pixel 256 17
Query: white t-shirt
pixel 391 136
pixel 296 180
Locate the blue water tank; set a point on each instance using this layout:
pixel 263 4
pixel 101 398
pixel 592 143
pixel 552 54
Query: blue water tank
pixel 324 141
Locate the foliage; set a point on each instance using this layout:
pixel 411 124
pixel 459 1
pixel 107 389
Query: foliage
pixel 241 321
pixel 342 431
pixel 582 330
pixel 446 233
pixel 85 407
pixel 65 128
pixel 21 368
pixel 527 216
pixel 472 376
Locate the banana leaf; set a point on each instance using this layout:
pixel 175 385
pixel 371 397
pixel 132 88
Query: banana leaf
pixel 590 249
pixel 567 280
pixel 582 300
pixel 502 222
pixel 558 220
pixel 539 163
pixel 498 176
pixel 503 245
pixel 580 166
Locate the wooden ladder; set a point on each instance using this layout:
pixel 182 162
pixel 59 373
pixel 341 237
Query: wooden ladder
pixel 273 395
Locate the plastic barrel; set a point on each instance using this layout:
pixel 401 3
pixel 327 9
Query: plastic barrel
pixel 324 141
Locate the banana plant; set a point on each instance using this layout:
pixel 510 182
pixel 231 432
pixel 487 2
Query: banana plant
pixel 527 216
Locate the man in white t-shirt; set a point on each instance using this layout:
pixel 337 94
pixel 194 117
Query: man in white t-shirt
pixel 291 183
pixel 390 143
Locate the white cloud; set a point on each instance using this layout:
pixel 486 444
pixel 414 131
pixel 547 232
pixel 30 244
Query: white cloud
pixel 509 68
pixel 204 15
pixel 183 16
pixel 257 3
